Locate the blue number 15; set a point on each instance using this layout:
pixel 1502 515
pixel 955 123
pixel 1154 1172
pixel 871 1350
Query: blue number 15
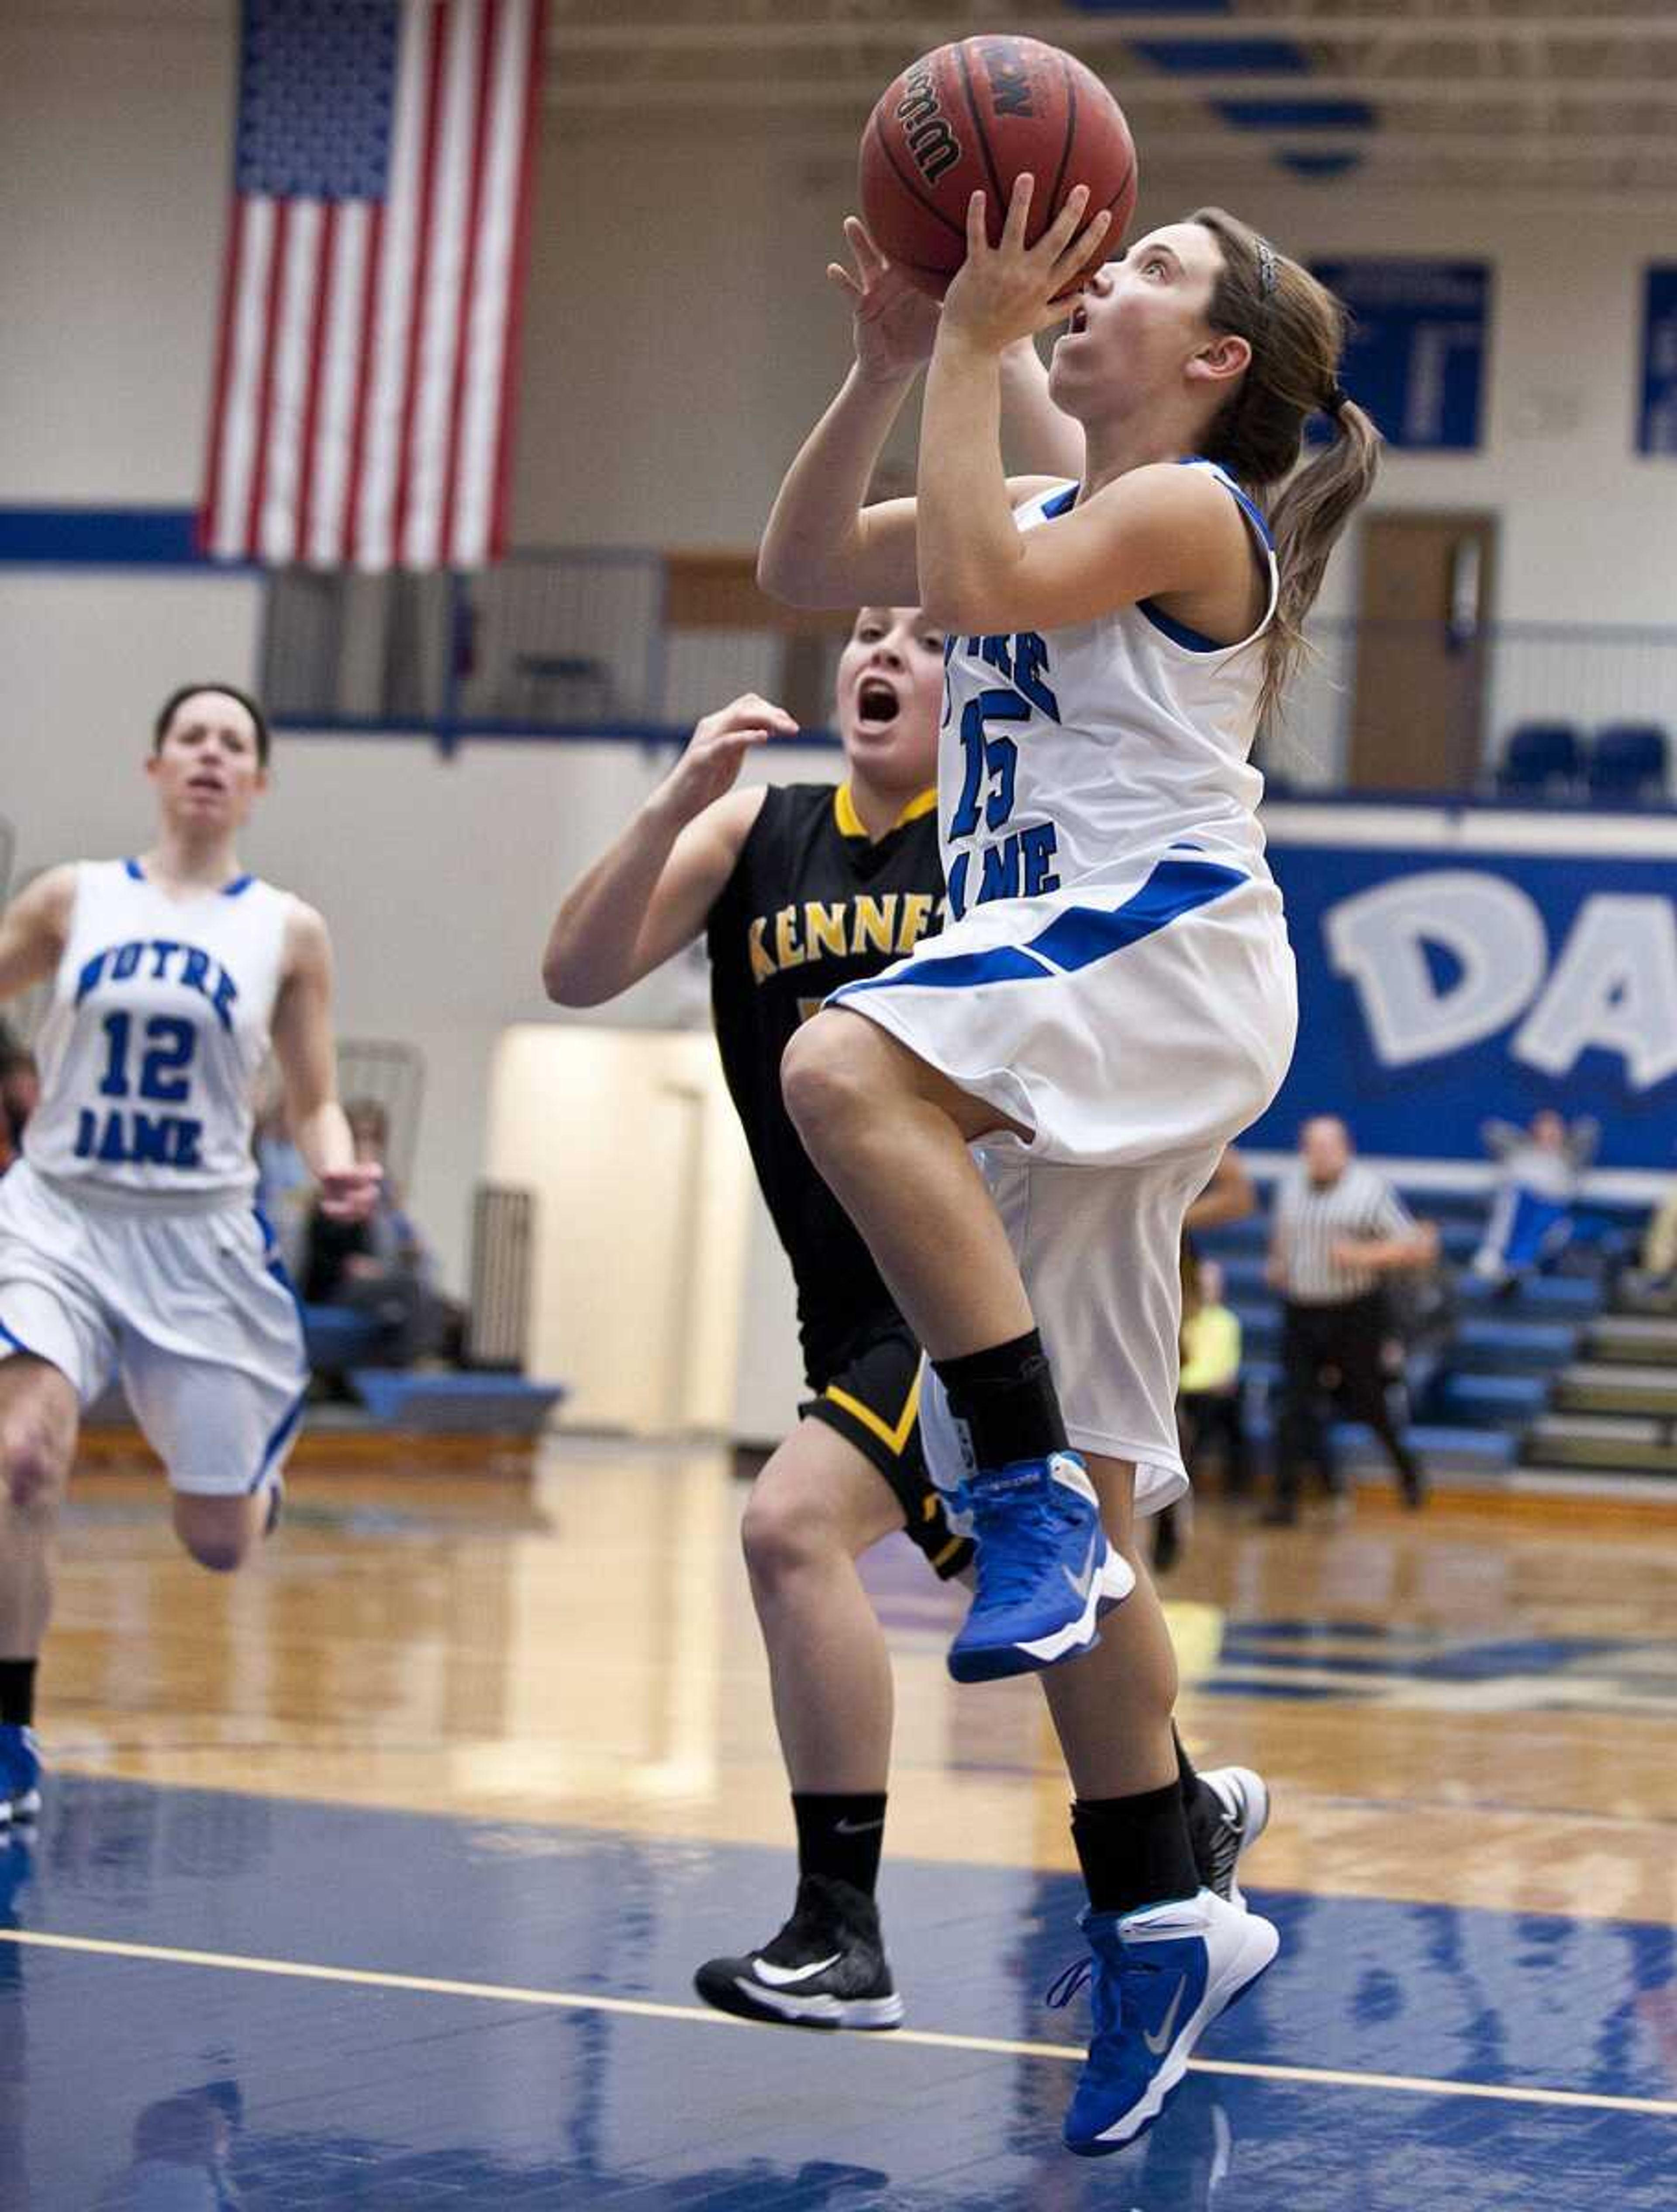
pixel 992 763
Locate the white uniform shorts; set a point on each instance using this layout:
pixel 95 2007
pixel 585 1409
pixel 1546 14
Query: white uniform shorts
pixel 191 1308
pixel 1136 1027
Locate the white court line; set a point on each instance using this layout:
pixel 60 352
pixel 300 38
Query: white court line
pixel 924 2038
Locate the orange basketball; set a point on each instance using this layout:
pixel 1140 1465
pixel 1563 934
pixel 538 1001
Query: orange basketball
pixel 973 117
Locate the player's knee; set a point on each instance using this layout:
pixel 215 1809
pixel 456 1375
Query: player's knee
pixel 784 1536
pixel 822 1079
pixel 222 1551
pixel 33 1463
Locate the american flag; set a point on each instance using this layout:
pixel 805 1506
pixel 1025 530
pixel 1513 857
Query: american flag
pixel 363 390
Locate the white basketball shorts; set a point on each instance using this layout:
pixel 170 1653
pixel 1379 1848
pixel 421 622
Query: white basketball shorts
pixel 191 1308
pixel 1135 1027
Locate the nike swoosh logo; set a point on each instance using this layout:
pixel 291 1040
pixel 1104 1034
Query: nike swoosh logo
pixel 1159 2043
pixel 856 1827
pixel 1080 1583
pixel 781 1978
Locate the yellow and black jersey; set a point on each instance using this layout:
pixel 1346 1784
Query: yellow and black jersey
pixel 812 904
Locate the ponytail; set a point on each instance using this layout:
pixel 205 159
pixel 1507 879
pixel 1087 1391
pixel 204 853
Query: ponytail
pixel 1307 520
pixel 1296 328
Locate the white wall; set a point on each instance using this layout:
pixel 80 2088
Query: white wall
pixel 628 1140
pixel 732 293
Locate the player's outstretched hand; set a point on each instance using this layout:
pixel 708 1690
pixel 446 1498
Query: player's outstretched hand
pixel 895 325
pixel 1011 291
pixel 351 1193
pixel 711 764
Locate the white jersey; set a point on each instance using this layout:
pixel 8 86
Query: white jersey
pixel 159 1026
pixel 1067 756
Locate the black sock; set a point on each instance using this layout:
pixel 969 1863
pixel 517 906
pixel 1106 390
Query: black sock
pixel 17 1692
pixel 1005 1396
pixel 841 1837
pixel 1134 1851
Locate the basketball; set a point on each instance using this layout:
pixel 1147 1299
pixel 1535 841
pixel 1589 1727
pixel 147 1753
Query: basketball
pixel 973 117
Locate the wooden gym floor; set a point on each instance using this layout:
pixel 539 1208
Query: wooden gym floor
pixel 374 1876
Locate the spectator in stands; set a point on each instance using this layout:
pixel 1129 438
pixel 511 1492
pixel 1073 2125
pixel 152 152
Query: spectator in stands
pixel 1659 1249
pixel 284 1187
pixel 1340 1230
pixel 20 1089
pixel 380 1267
pixel 1531 1218
pixel 1208 1402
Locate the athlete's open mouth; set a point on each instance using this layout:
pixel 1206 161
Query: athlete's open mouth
pixel 877 701
pixel 1077 322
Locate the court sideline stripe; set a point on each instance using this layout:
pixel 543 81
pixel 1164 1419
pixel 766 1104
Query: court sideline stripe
pixel 923 2038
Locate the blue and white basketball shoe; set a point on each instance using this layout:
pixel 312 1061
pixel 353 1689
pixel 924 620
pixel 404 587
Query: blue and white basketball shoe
pixel 1157 1980
pixel 20 1774
pixel 1044 1570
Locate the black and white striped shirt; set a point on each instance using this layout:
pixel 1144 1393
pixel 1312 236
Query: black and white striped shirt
pixel 1311 1218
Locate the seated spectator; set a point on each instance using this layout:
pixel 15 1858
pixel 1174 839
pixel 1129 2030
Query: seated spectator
pixel 1531 1218
pixel 380 1267
pixel 284 1188
pixel 1209 1398
pixel 20 1089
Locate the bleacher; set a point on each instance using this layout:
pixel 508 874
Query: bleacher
pixel 1556 1385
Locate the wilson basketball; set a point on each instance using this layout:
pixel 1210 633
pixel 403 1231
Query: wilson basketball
pixel 973 117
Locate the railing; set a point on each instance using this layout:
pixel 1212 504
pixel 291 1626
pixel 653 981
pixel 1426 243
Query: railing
pixel 603 643
pixel 627 643
pixel 1589 675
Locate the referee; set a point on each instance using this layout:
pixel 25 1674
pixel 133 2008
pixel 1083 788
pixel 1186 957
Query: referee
pixel 1339 1227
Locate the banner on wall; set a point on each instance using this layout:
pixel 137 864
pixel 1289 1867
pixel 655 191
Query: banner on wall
pixel 1415 356
pixel 362 405
pixel 1657 428
pixel 1455 967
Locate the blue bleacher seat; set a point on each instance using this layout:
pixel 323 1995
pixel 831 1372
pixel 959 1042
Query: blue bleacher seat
pixel 1539 1298
pixel 1493 1400
pixel 1489 1345
pixel 337 1337
pixel 1627 763
pixel 420 1398
pixel 1440 1445
pixel 1541 760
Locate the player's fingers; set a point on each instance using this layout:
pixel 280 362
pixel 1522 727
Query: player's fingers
pixel 1080 250
pixel 1064 228
pixel 1018 209
pixel 839 275
pixel 978 234
pixel 869 259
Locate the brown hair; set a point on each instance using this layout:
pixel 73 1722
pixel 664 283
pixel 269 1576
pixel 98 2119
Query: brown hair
pixel 178 698
pixel 1296 328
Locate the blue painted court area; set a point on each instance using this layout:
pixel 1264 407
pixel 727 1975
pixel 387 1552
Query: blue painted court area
pixel 570 2065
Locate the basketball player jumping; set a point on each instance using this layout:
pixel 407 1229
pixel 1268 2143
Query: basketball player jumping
pixel 1112 1000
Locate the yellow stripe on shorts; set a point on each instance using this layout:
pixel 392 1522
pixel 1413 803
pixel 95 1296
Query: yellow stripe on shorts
pixel 893 1439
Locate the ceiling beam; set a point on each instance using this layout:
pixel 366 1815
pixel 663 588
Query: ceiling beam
pixel 1088 34
pixel 1139 92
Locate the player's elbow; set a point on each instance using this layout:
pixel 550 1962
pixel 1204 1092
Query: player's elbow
pixel 962 602
pixel 797 579
pixel 568 984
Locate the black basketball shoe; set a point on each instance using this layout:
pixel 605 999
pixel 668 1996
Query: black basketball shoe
pixel 1230 1811
pixel 826 1968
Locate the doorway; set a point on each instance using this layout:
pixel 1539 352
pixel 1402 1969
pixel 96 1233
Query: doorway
pixel 1425 600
